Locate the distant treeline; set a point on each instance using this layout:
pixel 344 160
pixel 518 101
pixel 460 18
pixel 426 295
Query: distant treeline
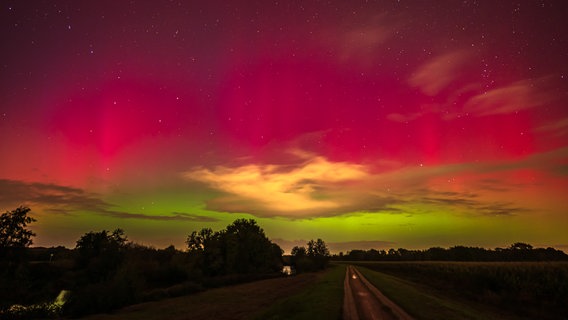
pixel 516 252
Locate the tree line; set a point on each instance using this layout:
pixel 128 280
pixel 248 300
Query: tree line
pixel 518 251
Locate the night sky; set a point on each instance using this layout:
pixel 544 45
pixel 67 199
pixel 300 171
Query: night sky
pixel 368 124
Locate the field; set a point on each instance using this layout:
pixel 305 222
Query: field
pixel 516 289
pixel 306 296
pixel 322 300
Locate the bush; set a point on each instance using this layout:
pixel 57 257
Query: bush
pixel 123 289
pixel 173 291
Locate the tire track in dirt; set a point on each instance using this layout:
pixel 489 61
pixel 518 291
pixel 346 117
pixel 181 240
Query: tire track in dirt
pixel 362 300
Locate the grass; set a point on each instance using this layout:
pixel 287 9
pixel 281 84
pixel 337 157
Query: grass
pixel 306 296
pixel 322 300
pixel 232 302
pixel 424 303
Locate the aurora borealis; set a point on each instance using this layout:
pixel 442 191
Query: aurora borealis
pixel 368 124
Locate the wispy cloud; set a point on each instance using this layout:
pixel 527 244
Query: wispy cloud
pixel 432 78
pixel 404 118
pixel 359 42
pixel 520 95
pixel 558 127
pixel 477 206
pixel 174 216
pixel 56 199
pixel 436 74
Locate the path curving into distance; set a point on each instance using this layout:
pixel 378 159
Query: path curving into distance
pixel 362 300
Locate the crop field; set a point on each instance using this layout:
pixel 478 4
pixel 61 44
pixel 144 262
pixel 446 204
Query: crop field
pixel 525 289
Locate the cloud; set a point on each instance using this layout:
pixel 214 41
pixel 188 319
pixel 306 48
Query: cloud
pixel 436 74
pixel 56 199
pixel 545 162
pixel 493 185
pixel 500 209
pixel 315 187
pixel 477 206
pixel 174 216
pixel 359 41
pixel 363 42
pixel 558 127
pixel 520 95
pixel 452 201
pixel 318 187
pixel 403 118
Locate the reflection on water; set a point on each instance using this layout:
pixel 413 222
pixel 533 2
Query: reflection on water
pixel 287 270
pixel 62 298
pixel 51 310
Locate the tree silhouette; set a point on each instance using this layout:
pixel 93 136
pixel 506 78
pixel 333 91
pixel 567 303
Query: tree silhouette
pixel 196 240
pixel 241 248
pixel 101 252
pixel 13 233
pixel 319 253
pixel 299 251
pixel 315 257
pixel 521 246
pixel 94 244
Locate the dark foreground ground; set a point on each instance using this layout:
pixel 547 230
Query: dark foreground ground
pixel 234 302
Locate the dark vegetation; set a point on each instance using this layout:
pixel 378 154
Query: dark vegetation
pixel 522 280
pixel 315 257
pixel 14 236
pixel 242 248
pixel 105 271
pixel 516 252
pixel 531 290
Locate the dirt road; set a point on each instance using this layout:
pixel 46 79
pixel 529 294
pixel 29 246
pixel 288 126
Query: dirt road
pixel 363 301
